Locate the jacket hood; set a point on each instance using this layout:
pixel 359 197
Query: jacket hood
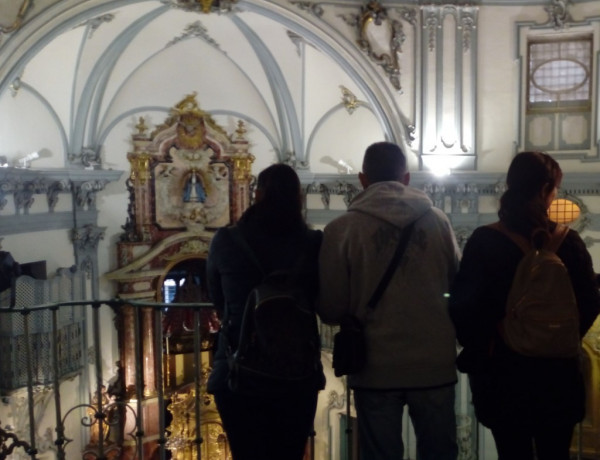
pixel 392 202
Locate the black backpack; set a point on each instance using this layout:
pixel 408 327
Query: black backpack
pixel 279 343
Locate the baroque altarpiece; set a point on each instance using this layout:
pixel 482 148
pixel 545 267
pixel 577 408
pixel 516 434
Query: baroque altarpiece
pixel 188 178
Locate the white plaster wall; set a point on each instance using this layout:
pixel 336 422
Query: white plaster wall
pixel 26 126
pixel 497 86
pixel 52 246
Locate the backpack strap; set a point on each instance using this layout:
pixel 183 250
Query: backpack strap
pixel 238 237
pixel 516 238
pixel 556 237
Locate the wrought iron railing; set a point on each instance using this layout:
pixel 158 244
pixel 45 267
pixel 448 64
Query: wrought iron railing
pixel 111 420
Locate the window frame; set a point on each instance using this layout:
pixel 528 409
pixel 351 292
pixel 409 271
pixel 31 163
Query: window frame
pixel 559 105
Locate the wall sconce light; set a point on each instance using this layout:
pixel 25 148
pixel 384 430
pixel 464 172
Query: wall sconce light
pixel 343 167
pixel 346 166
pixel 25 162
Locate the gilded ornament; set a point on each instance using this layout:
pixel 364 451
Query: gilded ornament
pixel 191 123
pixel 189 106
pixel 242 166
pixel 190 132
pixel 140 167
pixel 241 130
pixel 194 218
pixel 194 247
pixel 181 437
pixel 141 126
pixel 349 100
pixel 18 22
pixel 381 38
pixel 206 6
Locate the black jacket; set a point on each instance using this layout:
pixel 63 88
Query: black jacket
pixel 231 275
pixel 508 387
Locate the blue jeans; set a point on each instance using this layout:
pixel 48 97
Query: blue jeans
pixel 431 411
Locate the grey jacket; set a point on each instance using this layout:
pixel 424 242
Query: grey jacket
pixel 410 338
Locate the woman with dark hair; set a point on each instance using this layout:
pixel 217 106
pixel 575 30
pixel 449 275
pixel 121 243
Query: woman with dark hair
pixel 531 404
pixel 271 426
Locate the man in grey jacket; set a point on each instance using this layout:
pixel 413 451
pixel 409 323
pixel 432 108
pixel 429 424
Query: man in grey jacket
pixel 411 344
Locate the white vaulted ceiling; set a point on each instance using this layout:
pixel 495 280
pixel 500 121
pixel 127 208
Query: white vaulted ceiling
pixel 89 73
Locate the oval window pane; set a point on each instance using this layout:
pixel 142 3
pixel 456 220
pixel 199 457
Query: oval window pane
pixel 560 75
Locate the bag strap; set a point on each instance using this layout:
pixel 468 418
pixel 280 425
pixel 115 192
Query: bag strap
pixel 387 276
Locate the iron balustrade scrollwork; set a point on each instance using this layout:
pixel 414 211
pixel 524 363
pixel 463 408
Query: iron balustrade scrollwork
pixel 113 419
pixel 9 442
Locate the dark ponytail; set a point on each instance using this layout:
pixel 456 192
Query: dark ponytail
pixel 523 207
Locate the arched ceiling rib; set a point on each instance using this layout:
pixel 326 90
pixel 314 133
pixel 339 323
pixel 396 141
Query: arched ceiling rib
pixel 112 57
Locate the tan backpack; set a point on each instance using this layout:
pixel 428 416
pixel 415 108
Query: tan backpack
pixel 542 318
